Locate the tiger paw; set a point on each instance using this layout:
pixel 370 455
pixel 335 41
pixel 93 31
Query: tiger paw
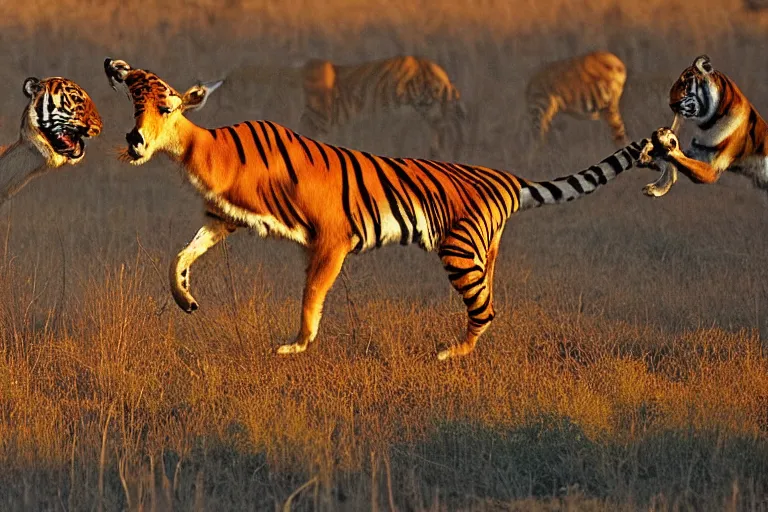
pixel 664 184
pixel 293 348
pixel 664 142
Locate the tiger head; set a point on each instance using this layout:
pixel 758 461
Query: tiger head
pixel 158 109
pixel 60 114
pixel 695 94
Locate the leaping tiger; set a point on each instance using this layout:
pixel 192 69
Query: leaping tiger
pixel 336 201
pixel 58 116
pixel 729 132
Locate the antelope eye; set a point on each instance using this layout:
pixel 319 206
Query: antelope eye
pixel 164 110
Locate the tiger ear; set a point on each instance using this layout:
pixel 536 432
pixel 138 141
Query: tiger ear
pixel 703 64
pixel 32 86
pixel 116 71
pixel 197 95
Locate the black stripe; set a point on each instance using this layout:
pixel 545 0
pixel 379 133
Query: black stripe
pixel 395 200
pixel 368 202
pixel 553 189
pixel 296 215
pixel 238 144
pixel 534 193
pixel 287 220
pixel 346 199
pixel 212 131
pixel 576 184
pixel 306 149
pixel 258 144
pixel 283 152
pixel 323 153
pixel 613 161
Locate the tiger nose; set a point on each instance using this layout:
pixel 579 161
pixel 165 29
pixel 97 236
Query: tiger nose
pixel 134 138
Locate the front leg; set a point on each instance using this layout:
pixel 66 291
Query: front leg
pixel 324 266
pixel 662 185
pixel 207 236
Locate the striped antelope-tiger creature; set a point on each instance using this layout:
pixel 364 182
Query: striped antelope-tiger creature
pixel 58 116
pixel 334 94
pixel 585 87
pixel 729 133
pixel 336 201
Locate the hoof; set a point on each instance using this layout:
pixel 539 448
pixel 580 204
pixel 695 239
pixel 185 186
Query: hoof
pixel 293 348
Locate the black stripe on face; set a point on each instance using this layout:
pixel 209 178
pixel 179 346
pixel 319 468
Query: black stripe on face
pixel 238 144
pixel 258 144
pixel 283 152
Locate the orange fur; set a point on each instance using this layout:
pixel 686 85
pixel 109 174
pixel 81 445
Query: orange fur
pixel 730 134
pixel 335 201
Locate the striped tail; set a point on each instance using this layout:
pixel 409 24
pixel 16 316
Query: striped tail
pixel 568 188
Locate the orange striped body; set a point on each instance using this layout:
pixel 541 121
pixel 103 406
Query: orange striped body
pixel 336 201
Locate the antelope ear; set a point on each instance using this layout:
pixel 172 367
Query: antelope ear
pixel 32 86
pixel 197 95
pixel 116 71
pixel 703 64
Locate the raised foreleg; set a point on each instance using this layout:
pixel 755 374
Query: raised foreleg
pixel 207 236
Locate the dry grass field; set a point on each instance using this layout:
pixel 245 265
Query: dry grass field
pixel 625 369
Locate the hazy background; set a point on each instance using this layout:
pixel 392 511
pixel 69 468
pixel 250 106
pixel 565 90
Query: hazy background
pixel 624 368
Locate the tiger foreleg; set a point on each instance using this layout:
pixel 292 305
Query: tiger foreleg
pixel 662 185
pixel 656 154
pixel 207 236
pixel 324 266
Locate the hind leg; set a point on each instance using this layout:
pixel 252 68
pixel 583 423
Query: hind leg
pixel 470 268
pixel 324 267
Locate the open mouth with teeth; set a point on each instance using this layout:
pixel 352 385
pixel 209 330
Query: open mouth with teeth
pixel 67 142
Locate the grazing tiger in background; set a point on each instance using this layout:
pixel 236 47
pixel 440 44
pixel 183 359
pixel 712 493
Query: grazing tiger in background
pixel 586 87
pixel 335 201
pixel 729 133
pixel 57 117
pixel 335 94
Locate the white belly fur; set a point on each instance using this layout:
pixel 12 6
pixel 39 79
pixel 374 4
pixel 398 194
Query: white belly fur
pixel 263 225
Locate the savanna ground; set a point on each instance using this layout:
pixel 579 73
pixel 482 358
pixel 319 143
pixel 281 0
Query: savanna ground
pixel 625 368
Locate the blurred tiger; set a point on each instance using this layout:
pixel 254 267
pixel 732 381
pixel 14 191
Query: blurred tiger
pixel 729 133
pixel 334 95
pixel 336 201
pixel 58 116
pixel 585 87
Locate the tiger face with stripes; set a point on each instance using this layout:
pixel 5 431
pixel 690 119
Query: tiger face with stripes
pixel 58 116
pixel 336 201
pixel 585 87
pixel 729 133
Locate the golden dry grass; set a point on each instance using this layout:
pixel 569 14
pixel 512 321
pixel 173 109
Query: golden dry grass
pixel 625 368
